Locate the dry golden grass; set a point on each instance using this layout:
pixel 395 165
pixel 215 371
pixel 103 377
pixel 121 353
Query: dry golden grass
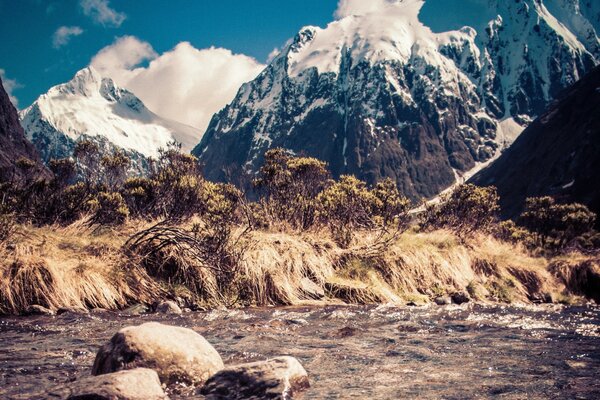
pixel 81 267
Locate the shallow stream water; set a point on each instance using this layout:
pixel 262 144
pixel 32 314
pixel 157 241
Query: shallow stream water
pixel 452 352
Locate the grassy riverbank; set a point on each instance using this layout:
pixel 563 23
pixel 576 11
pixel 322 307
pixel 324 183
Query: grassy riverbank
pixel 82 266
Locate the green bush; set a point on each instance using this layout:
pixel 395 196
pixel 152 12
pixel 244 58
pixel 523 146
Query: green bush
pixel 389 205
pixel 556 225
pixel 108 208
pixel 466 209
pixel 140 195
pixel 346 206
pixel 115 167
pixel 178 184
pixel 290 186
pixel 72 203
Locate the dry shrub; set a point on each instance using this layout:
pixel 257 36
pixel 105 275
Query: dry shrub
pixel 7 224
pixel 178 257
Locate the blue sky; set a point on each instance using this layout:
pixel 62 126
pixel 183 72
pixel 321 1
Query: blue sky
pixel 253 28
pixel 185 59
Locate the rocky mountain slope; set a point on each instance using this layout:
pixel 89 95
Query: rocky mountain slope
pixel 558 154
pixel 13 143
pixel 381 95
pixel 91 106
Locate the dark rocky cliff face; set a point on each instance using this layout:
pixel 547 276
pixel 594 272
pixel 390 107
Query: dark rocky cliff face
pixel 557 155
pixel 13 143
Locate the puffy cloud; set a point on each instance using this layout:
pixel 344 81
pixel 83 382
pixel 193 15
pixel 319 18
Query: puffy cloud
pixel 360 7
pixel 101 12
pixel 63 35
pixel 10 85
pixel 185 84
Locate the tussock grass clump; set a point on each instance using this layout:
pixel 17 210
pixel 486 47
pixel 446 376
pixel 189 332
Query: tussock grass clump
pixel 69 267
pixel 579 273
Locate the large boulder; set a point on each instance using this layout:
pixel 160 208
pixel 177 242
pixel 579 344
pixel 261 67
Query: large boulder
pixel 278 378
pixel 178 355
pixel 135 384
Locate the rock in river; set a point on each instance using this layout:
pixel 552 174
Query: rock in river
pixel 168 307
pixel 281 378
pixel 135 384
pixel 178 355
pixel 460 298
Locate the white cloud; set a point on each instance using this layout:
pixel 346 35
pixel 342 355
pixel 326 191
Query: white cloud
pixel 63 35
pixel 185 84
pixel 360 7
pixel 10 85
pixel 101 12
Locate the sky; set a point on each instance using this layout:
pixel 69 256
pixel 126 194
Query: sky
pixel 184 58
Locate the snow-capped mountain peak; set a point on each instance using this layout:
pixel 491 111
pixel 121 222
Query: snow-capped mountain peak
pixel 93 106
pixel 378 93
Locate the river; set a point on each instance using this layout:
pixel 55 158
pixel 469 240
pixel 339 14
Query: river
pixel 355 352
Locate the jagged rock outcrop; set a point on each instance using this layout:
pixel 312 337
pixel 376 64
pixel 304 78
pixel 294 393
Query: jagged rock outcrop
pixel 381 95
pixel 14 144
pixel 557 155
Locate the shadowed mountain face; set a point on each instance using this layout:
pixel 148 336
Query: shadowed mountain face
pixel 13 143
pixel 558 155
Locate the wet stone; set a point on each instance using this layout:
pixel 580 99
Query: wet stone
pixel 278 378
pixel 135 384
pixel 460 298
pixel 443 300
pixel 178 355
pixel 168 307
pixel 39 310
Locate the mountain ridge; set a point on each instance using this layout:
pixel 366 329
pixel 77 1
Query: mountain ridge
pixel 94 107
pixel 557 155
pixel 423 108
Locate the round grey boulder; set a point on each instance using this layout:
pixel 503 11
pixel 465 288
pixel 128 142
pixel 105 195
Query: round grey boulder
pixel 278 378
pixel 443 300
pixel 168 307
pixel 178 355
pixel 135 384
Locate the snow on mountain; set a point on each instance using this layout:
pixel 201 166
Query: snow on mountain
pixel 381 95
pixel 91 106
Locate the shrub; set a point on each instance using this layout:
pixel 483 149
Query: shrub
pixel 346 206
pixel 7 223
pixel 290 186
pixel 178 184
pixel 73 202
pixel 556 225
pixel 108 208
pixel 140 195
pixel 64 171
pixel 510 232
pixel 389 205
pixel 467 209
pixel 115 168
pixel 87 157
